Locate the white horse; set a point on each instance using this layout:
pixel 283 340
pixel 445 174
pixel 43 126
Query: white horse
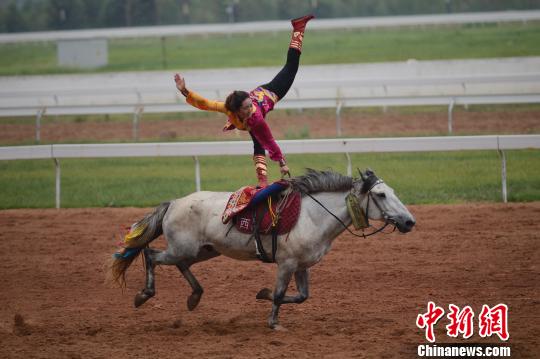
pixel 194 231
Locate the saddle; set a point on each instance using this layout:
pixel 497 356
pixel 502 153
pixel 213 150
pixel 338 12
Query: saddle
pixel 272 210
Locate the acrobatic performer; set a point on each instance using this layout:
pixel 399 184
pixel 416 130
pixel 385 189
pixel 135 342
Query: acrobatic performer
pixel 247 111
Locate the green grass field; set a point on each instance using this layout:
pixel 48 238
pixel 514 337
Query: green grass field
pixel 418 178
pixel 320 47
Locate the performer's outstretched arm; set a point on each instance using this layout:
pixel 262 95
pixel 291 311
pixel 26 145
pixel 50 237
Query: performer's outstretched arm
pixel 196 100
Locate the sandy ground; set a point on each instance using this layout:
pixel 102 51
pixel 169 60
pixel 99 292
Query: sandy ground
pixel 310 125
pixel 365 294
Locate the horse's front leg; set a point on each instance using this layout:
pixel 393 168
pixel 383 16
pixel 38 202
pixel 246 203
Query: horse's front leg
pixel 283 278
pixel 302 285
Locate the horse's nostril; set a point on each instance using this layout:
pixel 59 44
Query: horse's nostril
pixel 410 223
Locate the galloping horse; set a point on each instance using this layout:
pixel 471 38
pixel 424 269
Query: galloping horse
pixel 194 231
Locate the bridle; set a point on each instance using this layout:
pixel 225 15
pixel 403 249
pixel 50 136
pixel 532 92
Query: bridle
pixel 352 205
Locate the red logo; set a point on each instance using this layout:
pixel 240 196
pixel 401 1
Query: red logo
pixel 494 321
pixel 461 321
pixel 429 319
pixel 490 321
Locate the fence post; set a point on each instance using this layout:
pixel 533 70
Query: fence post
pixel 136 117
pixel 338 117
pixel 39 115
pixel 163 52
pixel 349 164
pixel 56 103
pixel 503 176
pixel 197 174
pixel 297 93
pixel 385 107
pixel 450 110
pixel 57 165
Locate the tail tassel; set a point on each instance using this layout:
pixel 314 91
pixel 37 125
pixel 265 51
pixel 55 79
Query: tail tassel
pixel 127 253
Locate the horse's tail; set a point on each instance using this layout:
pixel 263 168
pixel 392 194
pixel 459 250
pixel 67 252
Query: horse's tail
pixel 139 236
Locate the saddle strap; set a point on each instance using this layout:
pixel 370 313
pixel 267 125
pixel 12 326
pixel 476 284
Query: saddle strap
pixel 274 243
pixel 261 253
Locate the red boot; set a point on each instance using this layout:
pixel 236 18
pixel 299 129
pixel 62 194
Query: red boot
pixel 260 168
pixel 299 26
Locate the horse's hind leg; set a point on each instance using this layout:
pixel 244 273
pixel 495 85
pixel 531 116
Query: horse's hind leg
pixel 302 285
pixel 151 258
pixel 150 289
pixel 195 297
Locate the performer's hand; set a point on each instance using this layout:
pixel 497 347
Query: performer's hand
pixel 284 171
pixel 180 84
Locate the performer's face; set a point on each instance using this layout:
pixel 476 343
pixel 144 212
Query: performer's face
pixel 245 110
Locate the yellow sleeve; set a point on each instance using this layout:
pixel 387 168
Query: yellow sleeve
pixel 196 100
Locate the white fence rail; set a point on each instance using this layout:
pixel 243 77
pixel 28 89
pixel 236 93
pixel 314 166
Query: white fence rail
pixel 411 83
pixel 346 146
pixel 274 26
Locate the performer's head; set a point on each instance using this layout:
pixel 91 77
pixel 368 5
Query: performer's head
pixel 239 103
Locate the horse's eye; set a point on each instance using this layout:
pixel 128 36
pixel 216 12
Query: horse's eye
pixel 381 195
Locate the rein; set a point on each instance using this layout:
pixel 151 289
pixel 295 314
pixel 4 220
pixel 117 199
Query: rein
pixel 363 235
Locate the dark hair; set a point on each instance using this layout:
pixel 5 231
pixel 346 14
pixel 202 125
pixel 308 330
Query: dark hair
pixel 235 99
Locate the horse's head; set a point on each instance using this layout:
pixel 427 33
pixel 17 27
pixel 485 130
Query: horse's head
pixel 378 201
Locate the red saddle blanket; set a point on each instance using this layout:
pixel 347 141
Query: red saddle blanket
pixel 287 211
pixel 285 208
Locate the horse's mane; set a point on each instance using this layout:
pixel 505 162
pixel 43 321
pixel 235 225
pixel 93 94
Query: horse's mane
pixel 320 181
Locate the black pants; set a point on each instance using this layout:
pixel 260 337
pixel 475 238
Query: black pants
pixel 280 85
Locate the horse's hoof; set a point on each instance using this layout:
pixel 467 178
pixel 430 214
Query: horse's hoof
pixel 278 328
pixel 141 298
pixel 192 301
pixel 265 293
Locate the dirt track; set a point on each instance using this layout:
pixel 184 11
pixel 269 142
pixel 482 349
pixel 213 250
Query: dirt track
pixel 308 124
pixel 365 294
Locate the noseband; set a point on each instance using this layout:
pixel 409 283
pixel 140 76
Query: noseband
pixel 360 217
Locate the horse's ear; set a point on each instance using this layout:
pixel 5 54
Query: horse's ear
pixel 361 174
pixel 369 172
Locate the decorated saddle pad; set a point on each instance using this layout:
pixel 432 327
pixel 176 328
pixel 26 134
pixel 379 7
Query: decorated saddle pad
pixel 250 196
pixel 249 204
pixel 285 212
pixel 238 201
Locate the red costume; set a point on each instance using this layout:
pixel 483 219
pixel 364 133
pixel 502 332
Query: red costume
pixel 263 99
